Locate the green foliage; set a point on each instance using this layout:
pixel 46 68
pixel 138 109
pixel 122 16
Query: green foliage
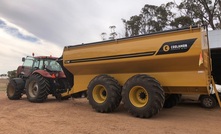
pixel 182 21
pixel 203 12
pixel 151 19
pixel 133 25
pixel 12 74
pixel 112 34
pixel 171 15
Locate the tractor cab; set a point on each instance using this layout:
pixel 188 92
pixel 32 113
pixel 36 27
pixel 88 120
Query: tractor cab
pixel 30 64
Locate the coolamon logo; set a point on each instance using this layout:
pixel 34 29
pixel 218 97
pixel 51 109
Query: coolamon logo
pixel 176 46
pixel 166 48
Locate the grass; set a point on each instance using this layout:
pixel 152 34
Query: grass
pixel 3 84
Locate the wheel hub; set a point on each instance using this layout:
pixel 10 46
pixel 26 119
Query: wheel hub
pixel 208 102
pixel 33 89
pixel 143 95
pixel 99 93
pixel 138 96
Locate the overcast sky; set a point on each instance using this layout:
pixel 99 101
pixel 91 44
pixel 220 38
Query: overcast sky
pixel 46 26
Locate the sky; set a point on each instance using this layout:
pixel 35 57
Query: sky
pixel 44 27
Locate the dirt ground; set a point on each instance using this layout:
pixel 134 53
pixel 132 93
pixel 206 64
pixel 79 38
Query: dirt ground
pixel 3 84
pixel 76 116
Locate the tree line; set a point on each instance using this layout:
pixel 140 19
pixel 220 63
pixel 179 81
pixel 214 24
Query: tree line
pixel 10 74
pixel 171 15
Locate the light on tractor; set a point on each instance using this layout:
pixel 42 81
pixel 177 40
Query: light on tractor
pixel 53 76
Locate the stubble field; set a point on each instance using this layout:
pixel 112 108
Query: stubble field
pixel 3 84
pixel 75 116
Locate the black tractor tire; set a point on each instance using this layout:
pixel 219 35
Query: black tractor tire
pixel 207 101
pixel 104 93
pixel 15 89
pixel 37 88
pixel 143 96
pixel 172 100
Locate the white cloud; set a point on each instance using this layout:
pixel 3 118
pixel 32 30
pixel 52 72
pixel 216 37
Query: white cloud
pixel 12 49
pixel 17 32
pixel 58 23
pixel 9 24
pixel 71 22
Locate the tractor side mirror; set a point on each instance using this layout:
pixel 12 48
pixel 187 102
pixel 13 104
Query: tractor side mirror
pixel 23 59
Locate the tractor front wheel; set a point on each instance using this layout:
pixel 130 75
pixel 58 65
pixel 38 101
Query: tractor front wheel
pixel 15 89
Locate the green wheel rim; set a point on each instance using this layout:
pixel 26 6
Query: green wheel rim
pixel 138 96
pixel 99 94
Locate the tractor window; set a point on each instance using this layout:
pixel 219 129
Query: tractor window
pixel 41 64
pixel 36 64
pixel 28 62
pixel 52 65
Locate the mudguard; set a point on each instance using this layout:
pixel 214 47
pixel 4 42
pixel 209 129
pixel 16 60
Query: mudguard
pixel 46 74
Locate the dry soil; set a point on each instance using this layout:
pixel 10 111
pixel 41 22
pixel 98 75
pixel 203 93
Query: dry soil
pixel 75 116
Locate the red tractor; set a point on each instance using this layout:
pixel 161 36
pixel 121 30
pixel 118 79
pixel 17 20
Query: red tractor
pixel 37 78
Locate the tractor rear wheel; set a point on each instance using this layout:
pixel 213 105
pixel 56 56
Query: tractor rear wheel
pixel 171 100
pixel 104 93
pixel 37 88
pixel 15 89
pixel 143 96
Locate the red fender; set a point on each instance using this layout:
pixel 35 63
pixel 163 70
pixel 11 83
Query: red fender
pixel 46 74
pixel 43 73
